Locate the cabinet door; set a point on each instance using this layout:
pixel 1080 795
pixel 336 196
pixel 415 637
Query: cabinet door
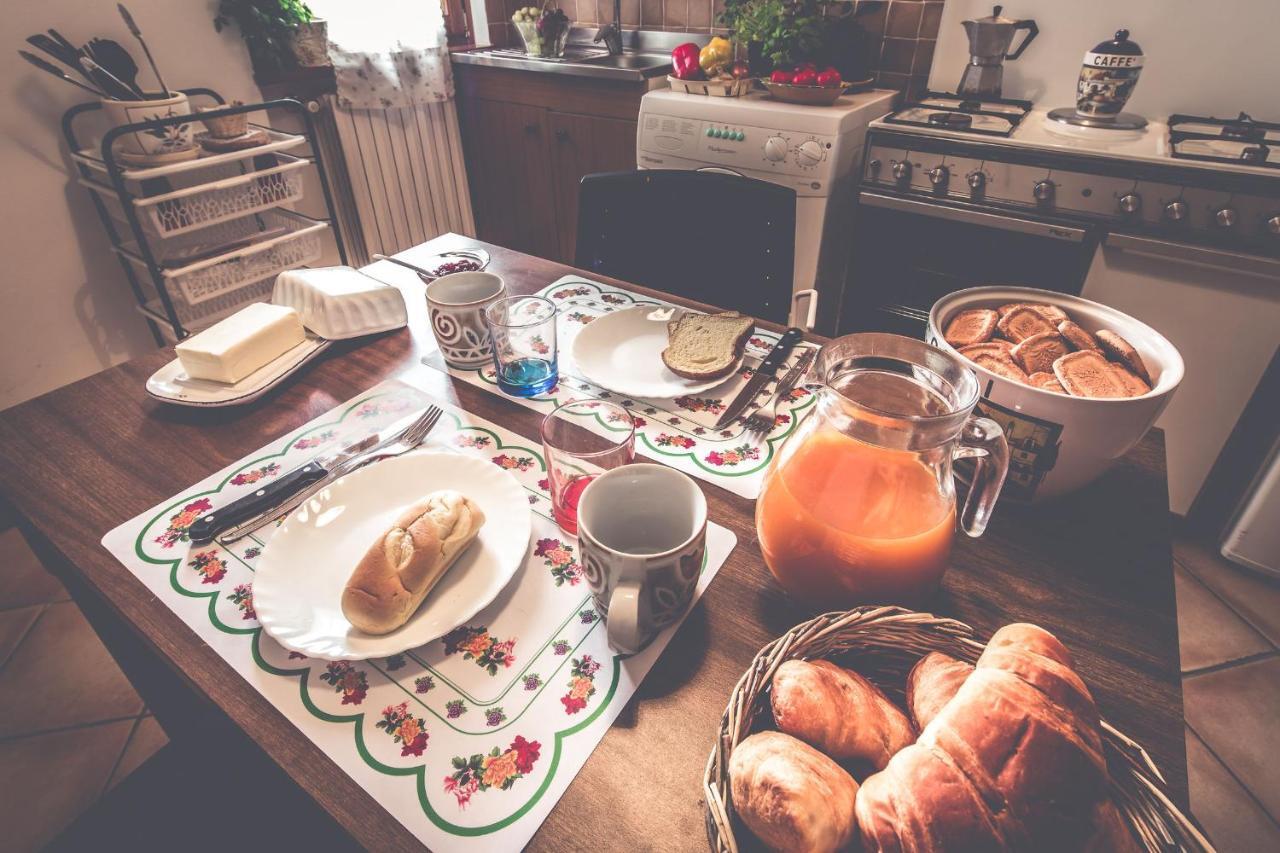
pixel 582 145
pixel 510 172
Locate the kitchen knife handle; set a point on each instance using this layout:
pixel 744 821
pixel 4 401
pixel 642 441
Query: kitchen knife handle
pixel 206 527
pixel 781 350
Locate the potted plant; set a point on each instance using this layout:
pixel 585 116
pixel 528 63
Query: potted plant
pixel 280 34
pixel 777 32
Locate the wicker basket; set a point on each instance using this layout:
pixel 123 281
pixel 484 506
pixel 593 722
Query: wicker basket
pixel 883 643
pixel 721 87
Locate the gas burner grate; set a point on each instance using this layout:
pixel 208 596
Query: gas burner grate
pixel 1239 140
pixel 949 111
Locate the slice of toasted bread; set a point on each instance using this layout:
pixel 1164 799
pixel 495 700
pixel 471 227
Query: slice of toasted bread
pixel 1132 382
pixel 973 326
pixel 1122 351
pixel 1077 336
pixel 1022 322
pixel 1052 313
pixel 706 346
pixel 1038 353
pixel 1046 382
pixel 1088 374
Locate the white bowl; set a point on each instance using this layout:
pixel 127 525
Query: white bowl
pixel 1059 443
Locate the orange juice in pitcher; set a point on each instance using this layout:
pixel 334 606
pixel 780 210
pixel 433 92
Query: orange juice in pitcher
pixel 859 506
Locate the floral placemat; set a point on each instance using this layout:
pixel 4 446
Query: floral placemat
pixel 678 432
pixel 469 740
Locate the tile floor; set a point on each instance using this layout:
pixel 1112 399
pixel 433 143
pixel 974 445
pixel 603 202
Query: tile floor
pixel 71 727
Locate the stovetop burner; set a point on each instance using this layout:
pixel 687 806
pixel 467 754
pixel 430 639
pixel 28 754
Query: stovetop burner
pixel 951 121
pixel 947 111
pixel 1239 140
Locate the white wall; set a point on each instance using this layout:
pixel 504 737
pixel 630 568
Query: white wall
pixel 1202 58
pixel 65 305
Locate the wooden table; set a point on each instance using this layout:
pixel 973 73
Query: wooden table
pixel 1095 569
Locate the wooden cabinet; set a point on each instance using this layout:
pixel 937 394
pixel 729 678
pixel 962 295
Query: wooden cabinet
pixel 529 138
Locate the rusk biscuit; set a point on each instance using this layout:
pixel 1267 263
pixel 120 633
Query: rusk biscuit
pixel 1088 374
pixel 1046 382
pixel 1131 381
pixel 1052 313
pixel 999 363
pixel 973 326
pixel 1038 353
pixel 1077 336
pixel 994 347
pixel 1123 352
pixel 1022 322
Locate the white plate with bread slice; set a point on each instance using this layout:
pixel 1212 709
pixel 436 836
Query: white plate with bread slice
pixel 408 549
pixel 661 353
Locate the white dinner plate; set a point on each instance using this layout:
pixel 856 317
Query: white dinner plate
pixel 622 351
pixel 297 588
pixel 172 385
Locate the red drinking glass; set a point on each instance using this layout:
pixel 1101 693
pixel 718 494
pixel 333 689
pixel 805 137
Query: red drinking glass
pixel 581 440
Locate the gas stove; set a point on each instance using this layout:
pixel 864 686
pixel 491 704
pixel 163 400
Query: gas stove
pixel 1206 181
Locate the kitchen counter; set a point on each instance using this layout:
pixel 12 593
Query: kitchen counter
pixel 646 56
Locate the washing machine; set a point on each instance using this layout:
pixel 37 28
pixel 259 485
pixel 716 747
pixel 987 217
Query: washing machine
pixel 814 150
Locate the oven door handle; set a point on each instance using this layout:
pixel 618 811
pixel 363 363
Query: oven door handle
pixel 1201 255
pixel 975 217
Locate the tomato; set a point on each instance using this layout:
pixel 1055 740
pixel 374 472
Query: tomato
pixel 829 78
pixel 780 76
pixel 807 77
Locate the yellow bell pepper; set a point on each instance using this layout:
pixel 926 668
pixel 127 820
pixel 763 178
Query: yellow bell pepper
pixel 715 56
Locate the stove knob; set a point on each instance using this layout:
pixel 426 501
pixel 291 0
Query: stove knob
pixel 1175 211
pixel 1225 217
pixel 1273 225
pixel 775 148
pixel 977 181
pixel 902 170
pixel 939 175
pixel 1043 191
pixel 1131 204
pixel 809 153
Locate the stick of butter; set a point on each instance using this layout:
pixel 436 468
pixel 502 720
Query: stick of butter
pixel 231 349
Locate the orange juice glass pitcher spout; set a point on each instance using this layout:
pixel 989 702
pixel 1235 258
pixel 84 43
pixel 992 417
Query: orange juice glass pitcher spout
pixel 859 505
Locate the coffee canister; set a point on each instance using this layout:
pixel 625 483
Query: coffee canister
pixel 1107 78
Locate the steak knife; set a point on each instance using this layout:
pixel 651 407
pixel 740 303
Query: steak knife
pixel 765 372
pixel 205 528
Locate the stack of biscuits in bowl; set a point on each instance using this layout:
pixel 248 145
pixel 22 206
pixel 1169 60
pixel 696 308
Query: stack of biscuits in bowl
pixel 1040 345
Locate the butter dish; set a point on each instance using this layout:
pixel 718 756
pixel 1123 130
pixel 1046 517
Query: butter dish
pixel 341 302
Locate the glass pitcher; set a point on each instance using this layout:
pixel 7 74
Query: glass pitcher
pixel 859 505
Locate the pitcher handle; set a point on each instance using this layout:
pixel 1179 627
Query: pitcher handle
pixel 1032 32
pixel 983 441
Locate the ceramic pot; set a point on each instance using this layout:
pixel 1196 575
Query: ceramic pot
pixel 160 142
pixel 310 43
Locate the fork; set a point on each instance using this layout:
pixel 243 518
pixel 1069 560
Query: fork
pixel 412 436
pixel 764 418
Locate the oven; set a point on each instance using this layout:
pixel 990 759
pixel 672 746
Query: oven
pixel 908 253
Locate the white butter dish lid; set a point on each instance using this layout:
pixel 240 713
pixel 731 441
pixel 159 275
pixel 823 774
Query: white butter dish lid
pixel 341 302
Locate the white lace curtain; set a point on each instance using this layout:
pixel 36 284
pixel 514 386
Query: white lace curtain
pixel 387 53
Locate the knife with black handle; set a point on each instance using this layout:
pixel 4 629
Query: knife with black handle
pixel 207 526
pixel 765 372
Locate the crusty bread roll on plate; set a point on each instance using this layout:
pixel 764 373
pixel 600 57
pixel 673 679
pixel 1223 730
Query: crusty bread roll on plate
pixel 402 566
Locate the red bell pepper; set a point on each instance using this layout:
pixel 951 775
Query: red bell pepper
pixel 684 62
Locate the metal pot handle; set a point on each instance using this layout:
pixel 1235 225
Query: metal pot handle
pixel 1032 32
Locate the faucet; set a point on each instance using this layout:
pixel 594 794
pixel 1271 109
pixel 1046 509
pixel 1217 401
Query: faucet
pixel 611 34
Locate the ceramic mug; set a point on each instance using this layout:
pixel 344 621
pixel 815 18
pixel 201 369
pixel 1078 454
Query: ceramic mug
pixel 169 140
pixel 455 305
pixel 642 537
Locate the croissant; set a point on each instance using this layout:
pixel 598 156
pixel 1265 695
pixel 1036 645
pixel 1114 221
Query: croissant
pixel 1012 760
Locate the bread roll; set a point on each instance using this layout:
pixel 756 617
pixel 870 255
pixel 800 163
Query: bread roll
pixel 931 683
pixel 838 711
pixel 400 568
pixel 791 796
pixel 1012 761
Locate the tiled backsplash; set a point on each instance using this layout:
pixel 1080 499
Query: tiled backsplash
pixel 900 34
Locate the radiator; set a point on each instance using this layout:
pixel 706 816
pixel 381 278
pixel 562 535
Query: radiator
pixel 397 175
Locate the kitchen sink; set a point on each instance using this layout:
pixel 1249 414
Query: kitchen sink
pixel 645 55
pixel 637 61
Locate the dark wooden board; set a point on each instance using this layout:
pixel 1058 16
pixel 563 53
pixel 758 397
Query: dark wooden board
pixel 1094 568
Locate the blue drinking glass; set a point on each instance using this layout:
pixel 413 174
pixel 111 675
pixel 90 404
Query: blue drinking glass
pixel 523 330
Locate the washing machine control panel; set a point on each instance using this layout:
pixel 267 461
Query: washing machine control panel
pixel 805 158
